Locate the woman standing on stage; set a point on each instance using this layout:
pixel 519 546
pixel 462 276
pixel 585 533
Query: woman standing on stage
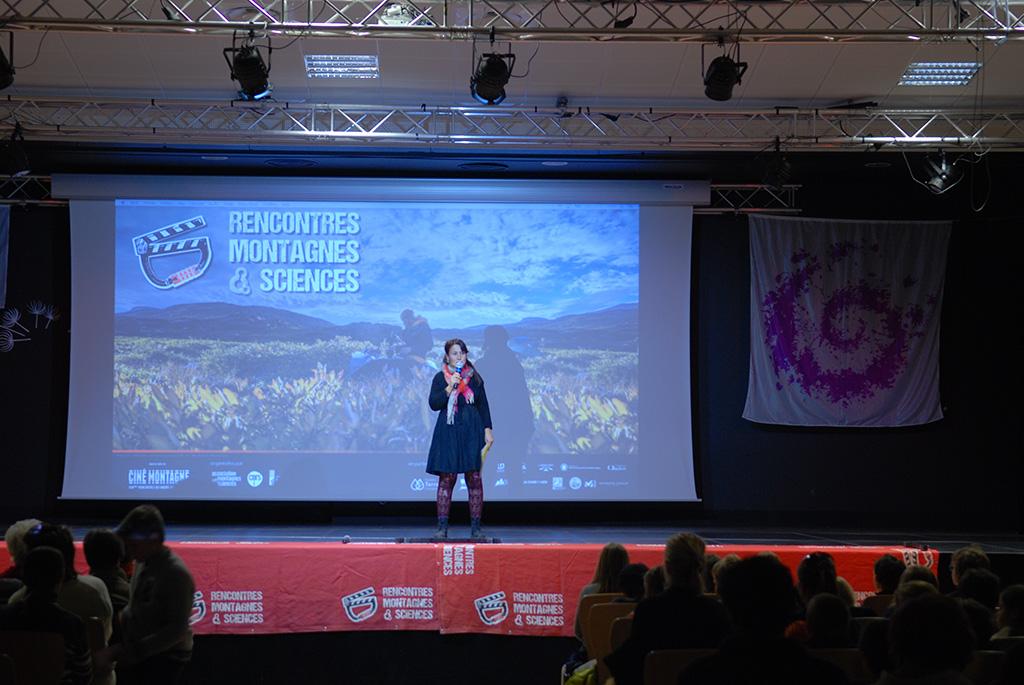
pixel 463 428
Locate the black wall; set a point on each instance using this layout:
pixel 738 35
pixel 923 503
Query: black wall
pixel 961 472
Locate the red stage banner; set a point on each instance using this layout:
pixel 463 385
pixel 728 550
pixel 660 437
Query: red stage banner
pixel 506 589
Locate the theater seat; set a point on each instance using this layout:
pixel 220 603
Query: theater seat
pixel 985 667
pixel 621 627
pixel 599 632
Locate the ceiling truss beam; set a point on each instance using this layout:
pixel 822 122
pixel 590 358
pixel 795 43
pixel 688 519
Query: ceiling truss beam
pixel 794 21
pixel 313 125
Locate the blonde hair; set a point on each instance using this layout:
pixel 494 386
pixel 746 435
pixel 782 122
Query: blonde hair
pixel 14 538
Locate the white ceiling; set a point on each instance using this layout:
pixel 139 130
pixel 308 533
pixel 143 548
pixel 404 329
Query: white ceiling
pixel 436 72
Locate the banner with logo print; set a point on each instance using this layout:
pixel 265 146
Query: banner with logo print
pixel 525 589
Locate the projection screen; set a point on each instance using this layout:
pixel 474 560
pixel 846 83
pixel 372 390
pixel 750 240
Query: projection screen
pixel 276 338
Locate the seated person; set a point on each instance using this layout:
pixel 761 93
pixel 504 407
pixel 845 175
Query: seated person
pixel 828 623
pixel 682 617
pixel 931 643
pixel 613 559
pixel 631 582
pixel 966 558
pixel 654 582
pixel 1010 616
pixel 980 584
pixel 888 570
pixel 38 611
pixel 759 595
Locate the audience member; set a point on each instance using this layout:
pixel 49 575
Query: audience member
pixel 613 559
pixel 1010 616
pixel 828 622
pixel 931 643
pixel 631 582
pixel 724 563
pixel 849 597
pixel 759 595
pixel 922 573
pixel 912 590
pixel 679 618
pixel 104 552
pixel 654 582
pixel 888 570
pixel 14 538
pixel 982 621
pixel 81 594
pixel 816 574
pixel 966 558
pixel 42 570
pixel 707 576
pixel 156 638
pixel 10 579
pixel 981 585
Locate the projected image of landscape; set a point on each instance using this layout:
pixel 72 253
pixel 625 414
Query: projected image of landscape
pixel 297 342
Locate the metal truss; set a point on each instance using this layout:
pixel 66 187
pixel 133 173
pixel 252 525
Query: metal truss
pixel 26 190
pixel 306 124
pixel 726 198
pixel 789 21
pixel 751 198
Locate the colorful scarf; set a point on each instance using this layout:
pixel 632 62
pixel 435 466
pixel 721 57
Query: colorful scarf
pixel 463 389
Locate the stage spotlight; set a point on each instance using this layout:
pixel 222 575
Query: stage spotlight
pixel 492 74
pixel 15 159
pixel 248 68
pixel 7 65
pixel 722 76
pixel 944 174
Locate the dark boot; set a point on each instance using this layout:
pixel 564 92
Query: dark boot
pixel 442 529
pixel 474 529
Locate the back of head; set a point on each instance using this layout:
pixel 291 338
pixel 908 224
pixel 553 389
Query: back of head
pixel 982 621
pixel 684 561
pixel 654 581
pixel 930 634
pixel 15 539
pixel 846 592
pixel 103 549
pixel 60 538
pixel 920 573
pixel 1011 608
pixel 981 585
pixel 759 594
pixel 828 621
pixel 913 589
pixel 144 522
pixel 888 570
pixel 631 580
pixel 613 559
pixel 966 558
pixel 723 563
pixel 816 574
pixel 43 570
pixel 708 574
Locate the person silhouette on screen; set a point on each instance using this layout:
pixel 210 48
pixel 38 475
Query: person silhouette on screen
pixel 417 338
pixel 510 398
pixel 463 428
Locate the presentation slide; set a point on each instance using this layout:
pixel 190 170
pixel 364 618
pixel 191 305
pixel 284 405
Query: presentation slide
pixel 277 349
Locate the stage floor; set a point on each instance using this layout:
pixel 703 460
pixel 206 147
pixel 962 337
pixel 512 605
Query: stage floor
pixel 403 529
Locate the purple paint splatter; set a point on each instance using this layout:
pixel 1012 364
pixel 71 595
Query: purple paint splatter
pixel 857 347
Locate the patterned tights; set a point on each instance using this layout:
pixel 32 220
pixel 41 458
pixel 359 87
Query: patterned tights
pixel 445 485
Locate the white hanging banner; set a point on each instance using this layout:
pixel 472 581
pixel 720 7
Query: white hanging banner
pixel 844 321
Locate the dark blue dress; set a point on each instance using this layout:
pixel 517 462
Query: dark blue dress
pixel 456 448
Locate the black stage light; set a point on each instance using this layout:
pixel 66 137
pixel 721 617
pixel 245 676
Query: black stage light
pixel 7 66
pixel 722 75
pixel 249 69
pixel 492 74
pixel 944 174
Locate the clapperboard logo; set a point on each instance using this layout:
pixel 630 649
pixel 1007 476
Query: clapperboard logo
pixel 492 609
pixel 198 608
pixel 361 605
pixel 165 245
